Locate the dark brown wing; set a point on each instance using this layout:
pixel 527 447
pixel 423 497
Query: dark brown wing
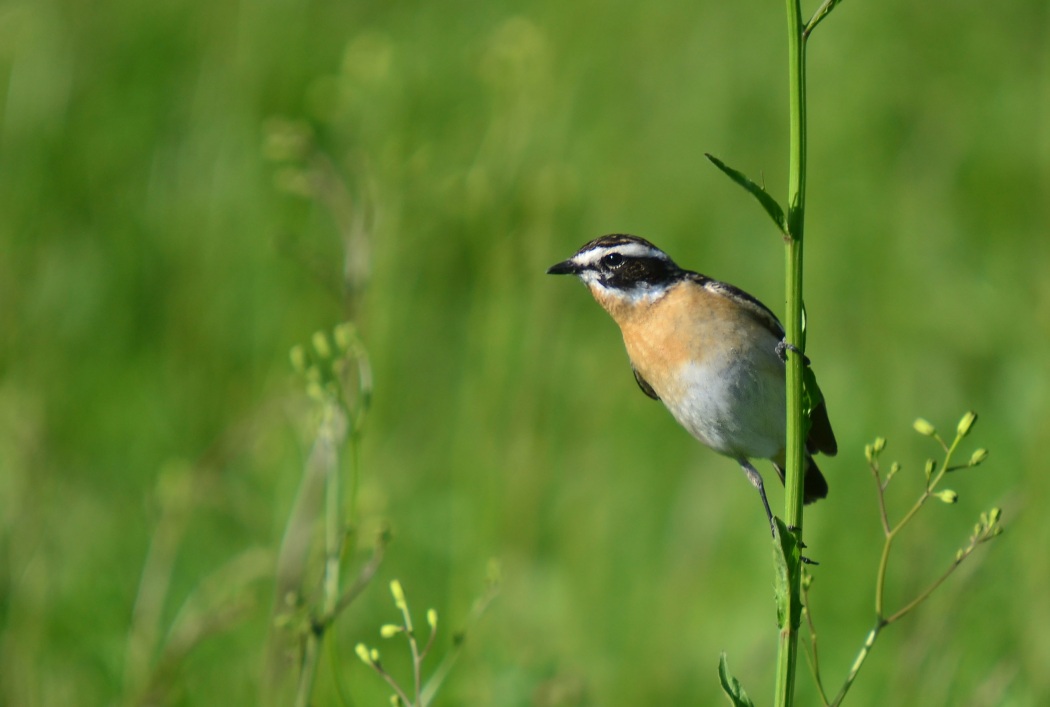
pixel 644 384
pixel 821 437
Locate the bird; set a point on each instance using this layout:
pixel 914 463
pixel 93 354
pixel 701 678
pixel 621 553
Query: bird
pixel 712 353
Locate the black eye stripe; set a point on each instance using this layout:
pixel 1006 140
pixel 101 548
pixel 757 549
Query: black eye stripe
pixel 641 270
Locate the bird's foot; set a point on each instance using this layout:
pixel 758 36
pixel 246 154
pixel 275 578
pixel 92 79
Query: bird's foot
pixel 783 347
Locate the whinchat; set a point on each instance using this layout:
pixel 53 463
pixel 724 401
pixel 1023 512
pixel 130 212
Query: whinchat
pixel 710 351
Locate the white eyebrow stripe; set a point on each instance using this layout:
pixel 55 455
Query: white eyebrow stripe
pixel 628 250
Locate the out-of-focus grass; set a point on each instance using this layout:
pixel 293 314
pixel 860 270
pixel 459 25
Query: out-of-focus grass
pixel 153 277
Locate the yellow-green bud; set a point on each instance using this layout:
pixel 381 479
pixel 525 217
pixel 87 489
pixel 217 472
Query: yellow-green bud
pixel 894 468
pixel 373 654
pixel 994 515
pixel 362 652
pixel 869 453
pixel 978 456
pixel 923 427
pixel 930 466
pixel 948 496
pixel 389 630
pixel 432 619
pixel 880 444
pixel 315 390
pixel 321 345
pixel 298 358
pixel 399 595
pixel 966 423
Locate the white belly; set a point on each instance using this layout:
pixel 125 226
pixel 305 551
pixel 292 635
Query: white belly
pixel 736 406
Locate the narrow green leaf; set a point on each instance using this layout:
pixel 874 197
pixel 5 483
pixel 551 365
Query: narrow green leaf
pixel 811 396
pixel 785 560
pixel 768 202
pixel 731 686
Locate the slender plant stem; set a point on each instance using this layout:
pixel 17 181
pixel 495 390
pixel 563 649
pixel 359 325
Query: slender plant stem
pixel 869 642
pixel 330 436
pixel 395 686
pixel 884 516
pixel 795 220
pixel 787 652
pixel 333 526
pixel 880 577
pixel 825 8
pixel 924 595
pixel 814 655
pixel 891 532
pixel 308 669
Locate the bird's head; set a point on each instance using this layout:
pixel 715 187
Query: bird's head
pixel 621 270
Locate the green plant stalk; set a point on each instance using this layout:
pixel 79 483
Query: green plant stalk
pixel 333 527
pixel 330 435
pixel 787 650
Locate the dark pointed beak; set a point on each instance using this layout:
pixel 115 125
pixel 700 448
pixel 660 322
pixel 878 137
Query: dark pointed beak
pixel 566 267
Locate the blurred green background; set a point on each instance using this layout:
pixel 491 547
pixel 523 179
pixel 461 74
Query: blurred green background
pixel 179 183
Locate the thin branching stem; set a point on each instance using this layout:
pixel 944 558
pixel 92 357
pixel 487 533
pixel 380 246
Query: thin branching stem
pixel 333 520
pixel 393 684
pixel 364 577
pixel 923 595
pixel 823 11
pixel 880 577
pixel 986 529
pixel 417 668
pixel 812 652
pixel 445 666
pixel 330 436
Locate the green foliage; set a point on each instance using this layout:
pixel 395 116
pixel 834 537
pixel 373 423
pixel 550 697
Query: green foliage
pixel 181 184
pixel 768 202
pixel 420 692
pixel 307 607
pixel 731 686
pixel 786 559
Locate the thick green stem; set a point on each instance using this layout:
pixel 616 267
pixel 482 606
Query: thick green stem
pixel 787 653
pixel 795 419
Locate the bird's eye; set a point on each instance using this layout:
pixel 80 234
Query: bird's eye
pixel 612 260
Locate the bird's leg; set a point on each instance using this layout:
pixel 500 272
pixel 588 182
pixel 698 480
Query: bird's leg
pixel 783 347
pixel 756 480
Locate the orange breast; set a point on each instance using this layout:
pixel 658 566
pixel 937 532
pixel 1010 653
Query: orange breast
pixel 686 325
pixel 712 364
